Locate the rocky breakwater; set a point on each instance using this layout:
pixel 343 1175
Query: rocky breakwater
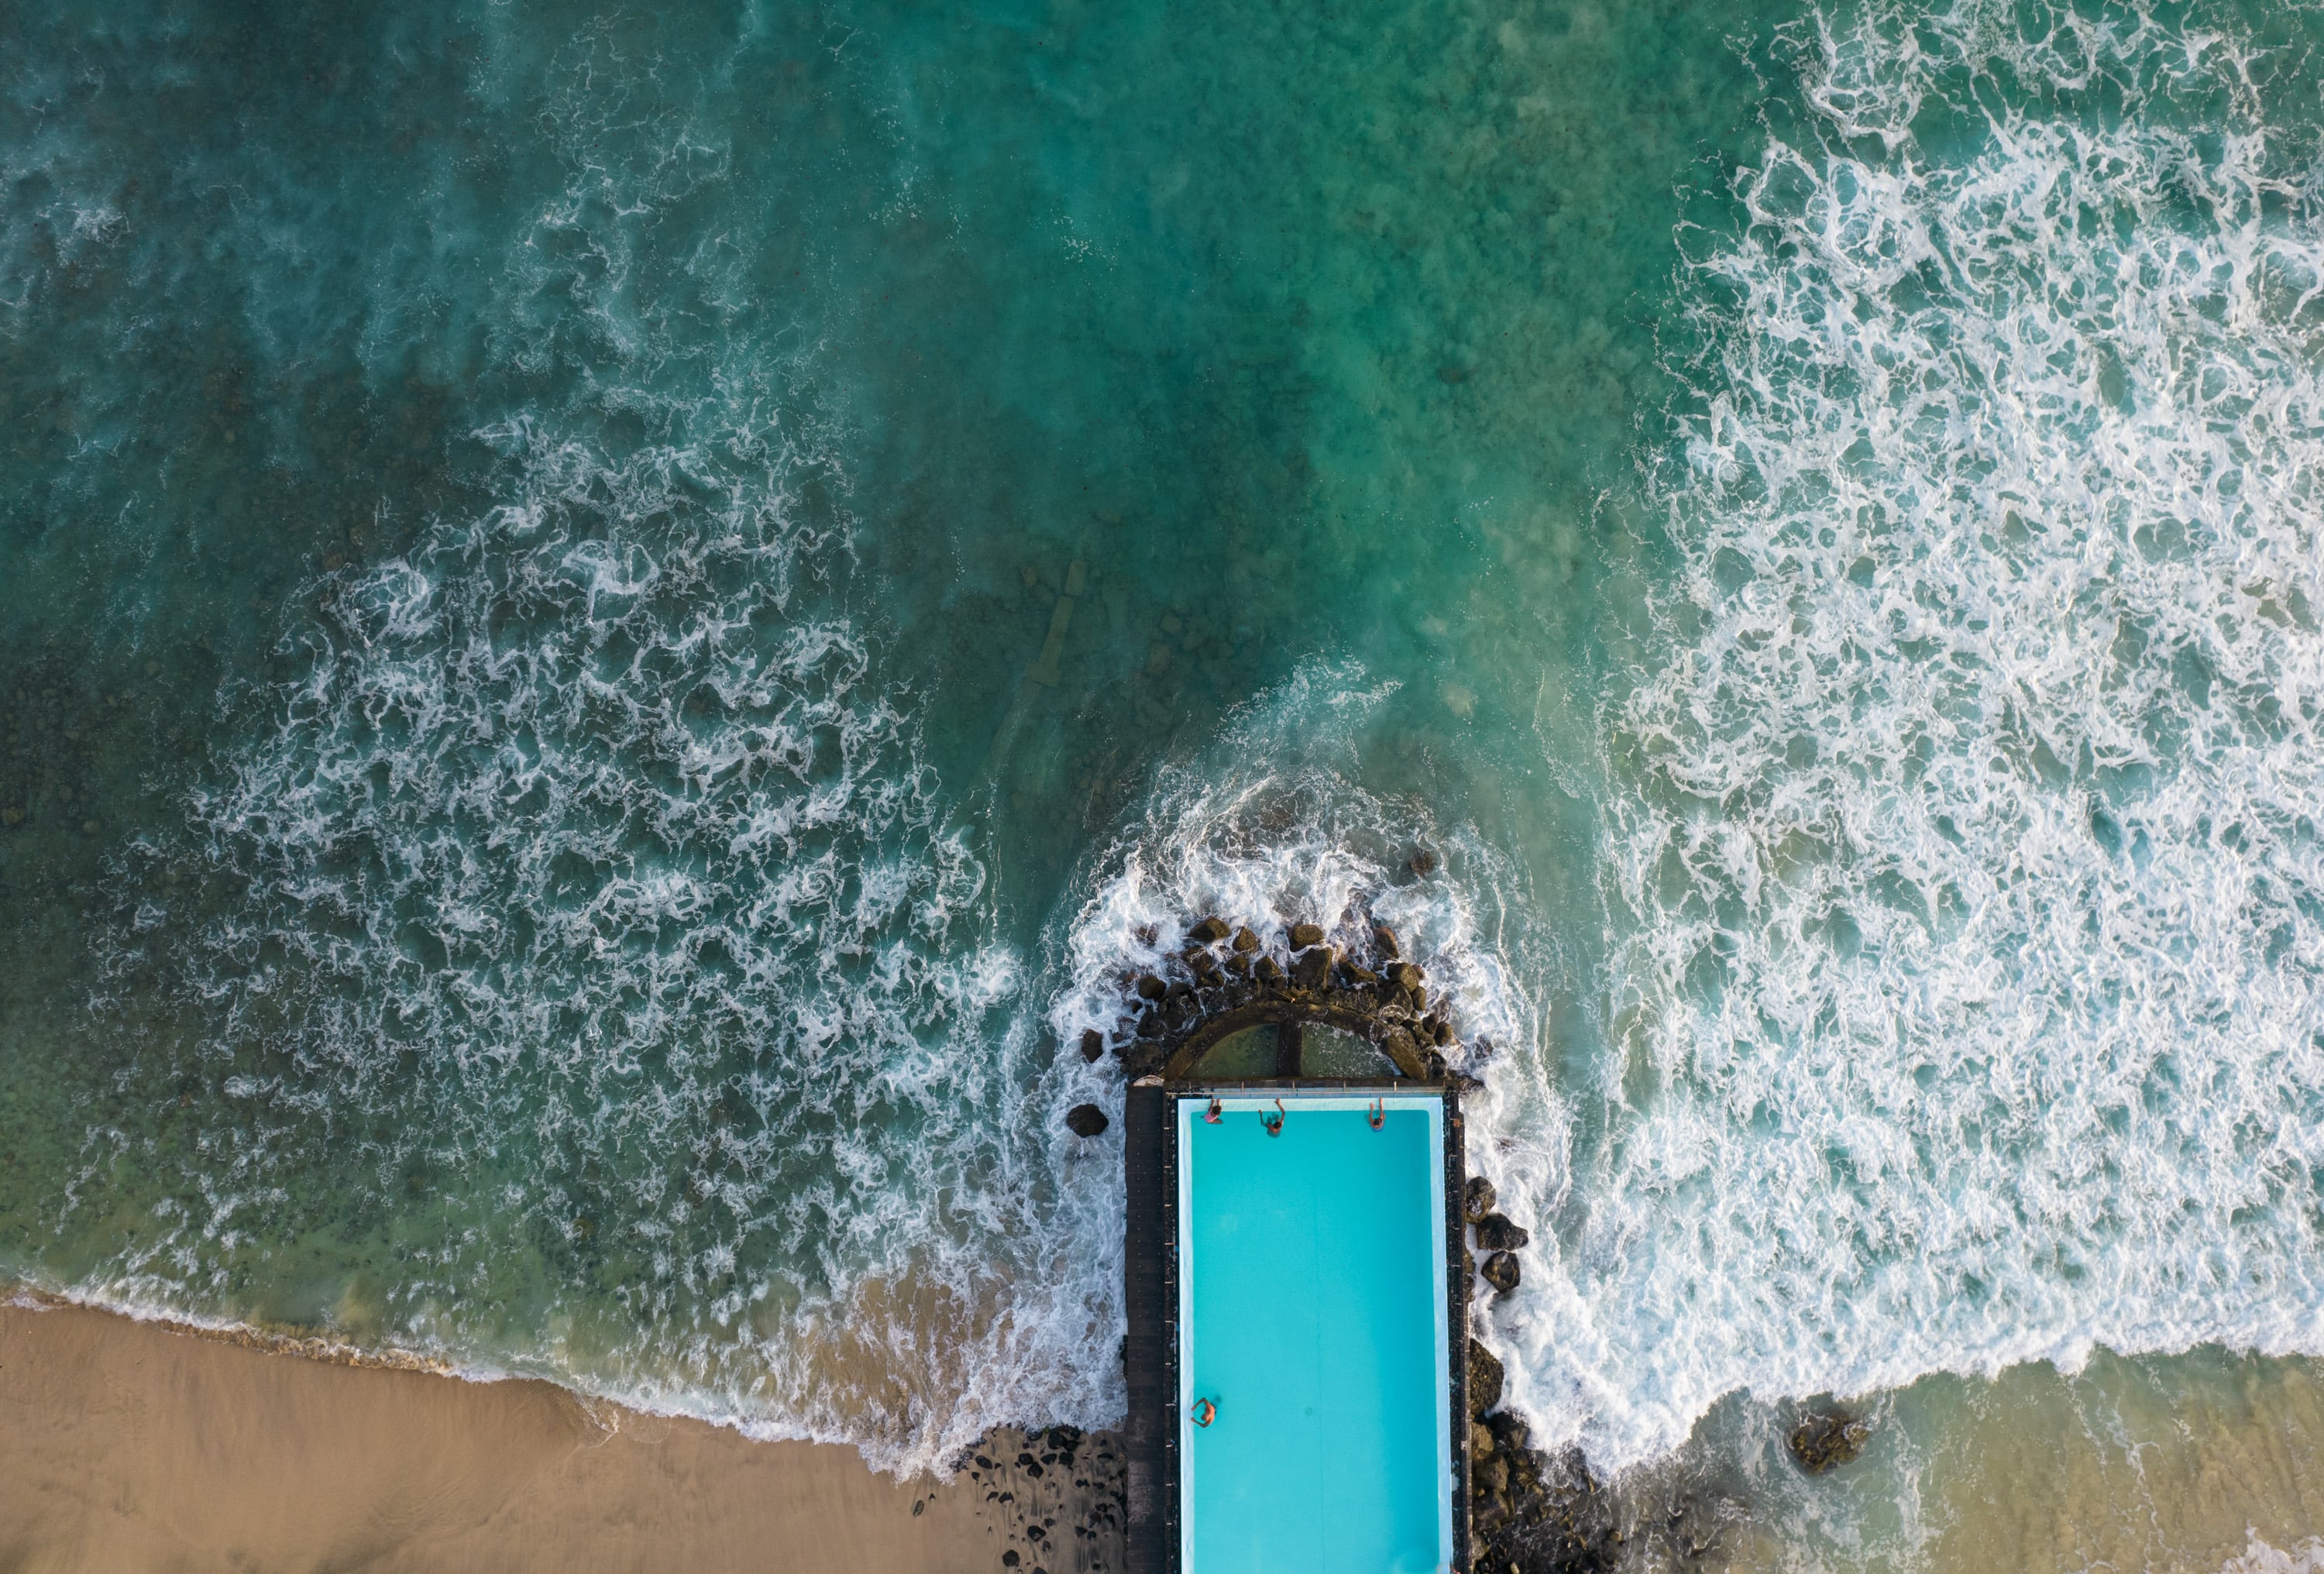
pixel 1530 1510
pixel 1222 976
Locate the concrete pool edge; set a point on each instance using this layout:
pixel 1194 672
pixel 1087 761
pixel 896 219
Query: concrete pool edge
pixel 1151 1291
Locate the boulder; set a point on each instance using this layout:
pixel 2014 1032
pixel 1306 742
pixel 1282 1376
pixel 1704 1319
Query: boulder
pixel 1093 1044
pixel 1422 862
pixel 1406 976
pixel 1205 965
pixel 1312 969
pixel 1244 939
pixel 1208 932
pixel 1478 1199
pixel 1384 942
pixel 1512 1436
pixel 1827 1439
pixel 1481 1439
pixel 1267 971
pixel 1500 1271
pixel 1085 1120
pixel 1150 987
pixel 1495 1232
pixel 1359 975
pixel 1492 1478
pixel 1303 935
pixel 1485 1377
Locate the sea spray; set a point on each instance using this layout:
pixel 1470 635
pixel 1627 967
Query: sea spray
pixel 1961 847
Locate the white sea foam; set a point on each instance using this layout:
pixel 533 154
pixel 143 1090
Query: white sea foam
pixel 1962 847
pixel 2306 1557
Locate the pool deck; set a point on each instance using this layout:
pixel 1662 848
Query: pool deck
pixel 1151 1296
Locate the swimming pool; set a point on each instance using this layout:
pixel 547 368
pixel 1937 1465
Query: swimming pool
pixel 1313 1317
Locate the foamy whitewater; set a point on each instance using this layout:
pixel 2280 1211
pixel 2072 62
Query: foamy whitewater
pixel 1961 846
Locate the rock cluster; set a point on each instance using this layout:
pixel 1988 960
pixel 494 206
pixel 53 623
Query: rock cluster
pixel 1055 1500
pixel 1497 1236
pixel 1828 1438
pixel 1528 1510
pixel 1220 967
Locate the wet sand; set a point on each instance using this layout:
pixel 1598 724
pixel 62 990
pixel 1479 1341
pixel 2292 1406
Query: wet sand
pixel 132 1445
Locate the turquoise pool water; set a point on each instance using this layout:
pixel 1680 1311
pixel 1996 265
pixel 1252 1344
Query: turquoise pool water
pixel 1311 1315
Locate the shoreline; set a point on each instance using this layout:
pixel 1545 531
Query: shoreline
pixel 134 1442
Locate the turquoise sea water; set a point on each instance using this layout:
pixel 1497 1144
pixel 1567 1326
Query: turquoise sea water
pixel 526 833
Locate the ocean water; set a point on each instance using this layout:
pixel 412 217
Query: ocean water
pixel 617 624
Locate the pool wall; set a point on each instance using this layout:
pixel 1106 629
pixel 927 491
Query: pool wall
pixel 1152 1289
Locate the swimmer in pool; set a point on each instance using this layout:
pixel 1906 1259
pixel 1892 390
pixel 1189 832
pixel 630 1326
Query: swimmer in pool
pixel 1205 1412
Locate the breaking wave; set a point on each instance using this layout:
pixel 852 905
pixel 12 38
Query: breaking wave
pixel 1967 980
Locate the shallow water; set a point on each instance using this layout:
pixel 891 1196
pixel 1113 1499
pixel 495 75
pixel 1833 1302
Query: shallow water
pixel 546 823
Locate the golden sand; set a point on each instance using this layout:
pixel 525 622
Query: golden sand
pixel 128 1445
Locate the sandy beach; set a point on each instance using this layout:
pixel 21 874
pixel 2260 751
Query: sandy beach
pixel 134 1445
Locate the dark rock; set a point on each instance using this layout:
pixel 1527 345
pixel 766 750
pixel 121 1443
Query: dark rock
pixel 1093 1044
pixel 1442 1032
pixel 1312 968
pixel 1512 1436
pixel 1423 863
pixel 1500 1271
pixel 1303 935
pixel 1085 1120
pixel 1150 987
pixel 1244 939
pixel 1008 1560
pixel 1492 1478
pixel 1359 975
pixel 1485 1377
pixel 1267 971
pixel 1497 1233
pixel 1481 1439
pixel 1828 1439
pixel 1399 1046
pixel 1149 1024
pixel 1209 931
pixel 1205 965
pixel 1406 976
pixel 1238 964
pixel 1384 939
pixel 1478 1199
